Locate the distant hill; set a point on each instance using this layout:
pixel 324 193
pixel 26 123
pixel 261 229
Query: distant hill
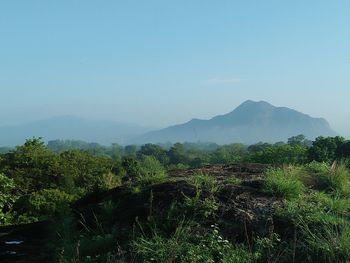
pixel 249 123
pixel 69 127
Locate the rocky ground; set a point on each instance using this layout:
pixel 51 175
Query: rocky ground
pixel 243 209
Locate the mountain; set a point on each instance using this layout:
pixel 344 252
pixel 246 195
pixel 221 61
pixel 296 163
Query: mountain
pixel 70 127
pixel 249 123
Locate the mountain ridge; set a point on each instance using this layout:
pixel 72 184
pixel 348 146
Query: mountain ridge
pixel 249 123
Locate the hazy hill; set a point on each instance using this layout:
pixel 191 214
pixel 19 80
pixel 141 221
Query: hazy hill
pixel 249 123
pixel 68 127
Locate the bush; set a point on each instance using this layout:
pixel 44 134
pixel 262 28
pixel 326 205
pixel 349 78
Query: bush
pixel 283 183
pixel 151 172
pixel 42 205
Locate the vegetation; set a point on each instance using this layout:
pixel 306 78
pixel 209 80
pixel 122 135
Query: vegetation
pixel 123 204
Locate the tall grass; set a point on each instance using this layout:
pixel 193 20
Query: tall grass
pixel 283 182
pixel 188 246
pixel 327 242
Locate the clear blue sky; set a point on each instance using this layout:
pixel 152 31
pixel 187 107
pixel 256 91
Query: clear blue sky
pixel 159 62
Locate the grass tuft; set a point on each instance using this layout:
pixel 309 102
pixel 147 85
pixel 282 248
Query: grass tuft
pixel 283 183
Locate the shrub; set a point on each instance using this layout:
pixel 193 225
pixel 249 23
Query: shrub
pixel 151 172
pixel 108 181
pixel 42 205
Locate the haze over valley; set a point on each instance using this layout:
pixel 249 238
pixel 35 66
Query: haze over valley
pixel 251 122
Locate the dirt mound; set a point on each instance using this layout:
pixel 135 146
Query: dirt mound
pixel 242 209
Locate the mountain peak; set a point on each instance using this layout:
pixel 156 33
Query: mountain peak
pixel 255 104
pixel 251 122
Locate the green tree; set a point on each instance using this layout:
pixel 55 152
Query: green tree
pixel 156 151
pixel 281 154
pixel 7 198
pixel 296 140
pixel 232 153
pixel 82 171
pixel 130 150
pixel 131 167
pixel 326 149
pixel 177 154
pixel 42 205
pixel 32 166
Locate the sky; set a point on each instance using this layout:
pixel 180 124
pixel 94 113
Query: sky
pixel 161 62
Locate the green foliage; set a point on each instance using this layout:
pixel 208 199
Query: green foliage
pixel 151 166
pixel 298 140
pixel 144 172
pixel 189 247
pixel 280 154
pixel 156 151
pixel 327 149
pixel 108 181
pixel 130 150
pixel 232 180
pixel 204 183
pixel 328 242
pixel 177 154
pixel 338 178
pixel 322 224
pixel 227 154
pixel 199 206
pixel 323 177
pixel 80 170
pixel 7 198
pixel 132 167
pixel 204 203
pixel 316 199
pixel 283 183
pixel 179 166
pixel 31 166
pixel 42 205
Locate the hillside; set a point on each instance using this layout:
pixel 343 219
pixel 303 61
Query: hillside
pixel 227 214
pixel 249 123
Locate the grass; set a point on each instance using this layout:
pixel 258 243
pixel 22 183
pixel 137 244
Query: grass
pixel 150 179
pixel 232 180
pixel 327 242
pixel 315 210
pixel 187 246
pixel 204 183
pixel 323 177
pixel 283 183
pixel 321 220
pixel 204 203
